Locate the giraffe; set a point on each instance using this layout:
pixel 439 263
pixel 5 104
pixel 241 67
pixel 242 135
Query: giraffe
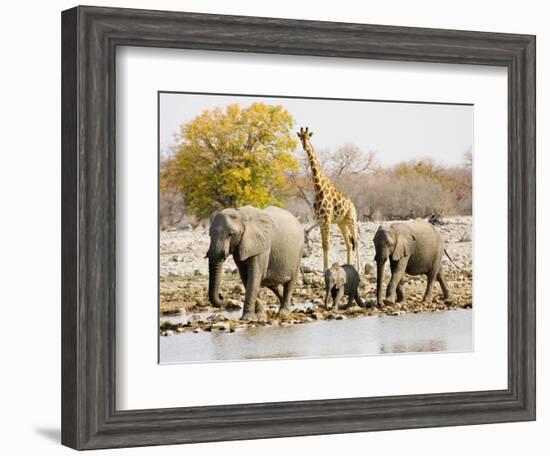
pixel 331 206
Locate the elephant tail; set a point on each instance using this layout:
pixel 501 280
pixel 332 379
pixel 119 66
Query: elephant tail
pixel 450 259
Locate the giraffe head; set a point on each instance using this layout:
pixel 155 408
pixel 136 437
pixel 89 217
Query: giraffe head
pixel 304 134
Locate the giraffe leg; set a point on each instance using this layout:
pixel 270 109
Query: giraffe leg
pixel 346 235
pixel 357 242
pixel 325 238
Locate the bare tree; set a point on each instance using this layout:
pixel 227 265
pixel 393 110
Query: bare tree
pixel 350 160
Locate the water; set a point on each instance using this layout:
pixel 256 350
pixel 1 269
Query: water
pixel 447 331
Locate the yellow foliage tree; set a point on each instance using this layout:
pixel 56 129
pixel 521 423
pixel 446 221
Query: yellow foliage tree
pixel 232 157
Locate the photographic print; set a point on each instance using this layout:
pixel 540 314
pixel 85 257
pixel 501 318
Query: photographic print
pixel 293 227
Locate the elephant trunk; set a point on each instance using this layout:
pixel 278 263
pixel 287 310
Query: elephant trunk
pixel 379 281
pixel 214 276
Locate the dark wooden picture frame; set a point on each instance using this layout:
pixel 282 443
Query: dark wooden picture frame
pixel 90 36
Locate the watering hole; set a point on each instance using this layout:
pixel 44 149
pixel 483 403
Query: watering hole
pixel 447 331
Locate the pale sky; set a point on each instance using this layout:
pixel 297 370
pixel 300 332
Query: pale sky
pixel 395 131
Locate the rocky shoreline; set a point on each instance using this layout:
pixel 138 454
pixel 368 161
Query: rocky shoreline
pixel 184 283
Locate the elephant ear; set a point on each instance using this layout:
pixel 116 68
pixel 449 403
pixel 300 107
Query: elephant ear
pixel 404 239
pixel 256 237
pixel 340 276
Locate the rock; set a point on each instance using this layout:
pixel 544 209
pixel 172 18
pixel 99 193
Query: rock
pixel 222 326
pixel 318 315
pixel 185 227
pixel 168 332
pixel 232 304
pixel 238 289
pixel 341 317
pixel 307 269
pixel 217 318
pixel 197 272
pixel 369 269
pixel 180 329
pixel 197 330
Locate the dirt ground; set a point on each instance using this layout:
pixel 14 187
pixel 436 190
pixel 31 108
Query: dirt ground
pixel 184 275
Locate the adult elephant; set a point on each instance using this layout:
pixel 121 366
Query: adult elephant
pixel 414 248
pixel 266 245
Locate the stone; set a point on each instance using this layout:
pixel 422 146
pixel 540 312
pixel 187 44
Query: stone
pixel 318 315
pixel 222 326
pixel 368 269
pixel 232 304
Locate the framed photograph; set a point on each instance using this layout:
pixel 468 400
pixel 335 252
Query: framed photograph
pixel 280 228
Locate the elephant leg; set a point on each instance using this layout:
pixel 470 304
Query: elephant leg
pixel 400 293
pixel 338 298
pixel 333 294
pixel 398 269
pixel 429 287
pixel 286 302
pixel 261 315
pixel 444 287
pixel 252 288
pixel 276 291
pixel 358 300
pixel 350 301
pixel 327 293
pixel 325 239
pixel 243 272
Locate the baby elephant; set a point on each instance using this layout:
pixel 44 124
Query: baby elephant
pixel 340 280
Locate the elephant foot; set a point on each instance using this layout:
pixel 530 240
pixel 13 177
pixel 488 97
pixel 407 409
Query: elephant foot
pixel 261 317
pixel 402 302
pixel 249 316
pixel 283 312
pixel 388 302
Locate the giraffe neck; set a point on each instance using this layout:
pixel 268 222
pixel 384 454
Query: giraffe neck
pixel 317 173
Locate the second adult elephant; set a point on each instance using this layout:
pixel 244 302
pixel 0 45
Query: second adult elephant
pixel 414 248
pixel 266 245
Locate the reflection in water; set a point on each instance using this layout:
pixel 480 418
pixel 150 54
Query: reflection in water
pixel 409 333
pixel 415 347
